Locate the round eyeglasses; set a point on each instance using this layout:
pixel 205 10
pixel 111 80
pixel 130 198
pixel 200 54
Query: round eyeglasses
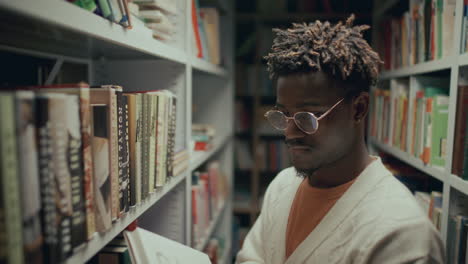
pixel 305 121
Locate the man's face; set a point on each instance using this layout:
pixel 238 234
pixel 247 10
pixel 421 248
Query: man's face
pixel 316 92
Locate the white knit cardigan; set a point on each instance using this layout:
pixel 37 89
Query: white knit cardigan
pixel 377 220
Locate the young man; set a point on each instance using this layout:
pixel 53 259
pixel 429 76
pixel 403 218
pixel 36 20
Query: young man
pixel 336 204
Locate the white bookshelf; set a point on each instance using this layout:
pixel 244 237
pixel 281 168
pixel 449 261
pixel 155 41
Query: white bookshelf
pixel 60 31
pixel 211 228
pixel 451 66
pixel 100 240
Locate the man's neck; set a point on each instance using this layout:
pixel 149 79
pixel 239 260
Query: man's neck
pixel 343 170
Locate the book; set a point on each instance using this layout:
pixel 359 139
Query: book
pixel 210 18
pixel 29 176
pixel 58 105
pixel 105 95
pixel 123 151
pixel 148 247
pixel 47 181
pixel 198 50
pixel 102 178
pixel 460 132
pixel 10 187
pixel 145 160
pixel 152 123
pixel 439 130
pixel 82 91
pixel 135 171
pixel 75 167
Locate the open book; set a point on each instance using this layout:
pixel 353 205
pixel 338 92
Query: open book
pixel 148 247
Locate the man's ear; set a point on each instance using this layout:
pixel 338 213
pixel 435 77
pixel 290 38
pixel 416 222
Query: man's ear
pixel 360 107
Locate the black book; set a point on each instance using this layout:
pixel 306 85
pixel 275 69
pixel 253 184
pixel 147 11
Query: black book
pixel 124 168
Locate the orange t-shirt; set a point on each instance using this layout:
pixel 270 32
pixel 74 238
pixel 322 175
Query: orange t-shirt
pixel 309 207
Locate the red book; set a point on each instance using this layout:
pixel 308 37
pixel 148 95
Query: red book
pixel 196 32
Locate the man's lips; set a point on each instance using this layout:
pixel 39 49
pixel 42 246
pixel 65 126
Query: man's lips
pixel 299 147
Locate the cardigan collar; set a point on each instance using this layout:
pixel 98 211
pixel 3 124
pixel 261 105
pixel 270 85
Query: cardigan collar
pixel 365 183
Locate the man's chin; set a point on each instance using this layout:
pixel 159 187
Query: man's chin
pixel 304 172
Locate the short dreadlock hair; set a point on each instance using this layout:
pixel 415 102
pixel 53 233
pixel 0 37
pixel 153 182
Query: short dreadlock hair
pixel 339 50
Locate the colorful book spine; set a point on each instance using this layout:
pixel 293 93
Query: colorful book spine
pixel 29 176
pixel 9 181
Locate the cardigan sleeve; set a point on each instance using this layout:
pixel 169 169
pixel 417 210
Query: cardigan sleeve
pixel 253 249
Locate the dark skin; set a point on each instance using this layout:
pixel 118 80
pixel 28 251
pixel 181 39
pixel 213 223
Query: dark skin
pixel 337 152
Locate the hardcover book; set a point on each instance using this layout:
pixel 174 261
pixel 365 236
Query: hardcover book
pixel 29 176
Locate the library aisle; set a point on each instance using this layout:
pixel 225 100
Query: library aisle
pixel 116 135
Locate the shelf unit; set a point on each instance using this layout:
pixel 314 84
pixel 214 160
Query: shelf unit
pixel 452 65
pixel 62 32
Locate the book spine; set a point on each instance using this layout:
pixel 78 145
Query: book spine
pixel 126 163
pixel 121 153
pixel 145 146
pixel 62 192
pixel 102 181
pixel 9 180
pixel 75 166
pixel 465 157
pixel 29 176
pixel 132 124
pixel 152 143
pixel 138 147
pixel 157 173
pixel 114 155
pixel 173 123
pixel 47 182
pixel 86 120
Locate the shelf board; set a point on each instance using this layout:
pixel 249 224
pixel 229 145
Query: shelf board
pixel 199 157
pixel 458 183
pixel 463 59
pixel 73 31
pixel 211 228
pixel 421 68
pixel 410 160
pixel 208 67
pixel 99 241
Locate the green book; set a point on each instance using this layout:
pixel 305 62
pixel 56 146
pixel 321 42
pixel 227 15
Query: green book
pixel 439 130
pixel 9 181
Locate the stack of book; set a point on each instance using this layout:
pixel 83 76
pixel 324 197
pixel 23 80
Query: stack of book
pixel 205 24
pixel 116 11
pixel 158 15
pixel 457 232
pixel 74 159
pixel 202 136
pixel 209 192
pixel 116 252
pixel 431 203
pixel 423 132
pixel 423 33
